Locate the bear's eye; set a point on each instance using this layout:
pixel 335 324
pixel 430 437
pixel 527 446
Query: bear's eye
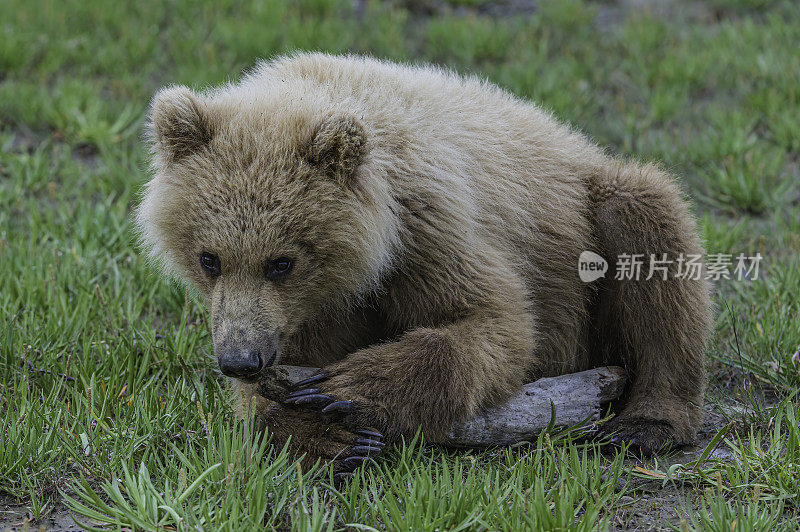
pixel 210 264
pixel 278 268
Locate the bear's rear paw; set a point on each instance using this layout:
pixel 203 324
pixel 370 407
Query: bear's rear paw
pixel 643 436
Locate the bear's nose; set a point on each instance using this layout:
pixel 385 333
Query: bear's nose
pixel 241 364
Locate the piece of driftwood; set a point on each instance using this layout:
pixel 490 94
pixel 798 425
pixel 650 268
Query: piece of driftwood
pixel 576 397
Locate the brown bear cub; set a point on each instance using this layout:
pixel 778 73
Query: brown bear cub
pixel 417 235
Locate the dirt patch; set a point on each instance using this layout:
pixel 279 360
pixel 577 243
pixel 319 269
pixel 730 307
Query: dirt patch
pixel 659 510
pixel 15 516
pixel 653 505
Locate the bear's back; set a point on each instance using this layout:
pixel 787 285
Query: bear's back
pixel 429 107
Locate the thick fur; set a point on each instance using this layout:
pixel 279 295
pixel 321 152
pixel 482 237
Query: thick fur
pixel 435 222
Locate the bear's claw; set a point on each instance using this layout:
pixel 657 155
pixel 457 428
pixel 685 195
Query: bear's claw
pixel 300 393
pixel 311 380
pixel 316 399
pixel 367 441
pixel 365 449
pixel 368 433
pixel 351 463
pixel 339 407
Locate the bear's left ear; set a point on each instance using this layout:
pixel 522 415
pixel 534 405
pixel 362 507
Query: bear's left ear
pixel 338 147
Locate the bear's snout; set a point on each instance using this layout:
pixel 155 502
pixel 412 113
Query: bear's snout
pixel 245 362
pixel 243 365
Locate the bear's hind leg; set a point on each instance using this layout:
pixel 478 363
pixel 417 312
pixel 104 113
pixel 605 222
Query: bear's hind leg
pixel 656 328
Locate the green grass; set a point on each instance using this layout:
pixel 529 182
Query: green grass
pixel 109 399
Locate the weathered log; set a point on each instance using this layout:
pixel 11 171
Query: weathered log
pixel 576 397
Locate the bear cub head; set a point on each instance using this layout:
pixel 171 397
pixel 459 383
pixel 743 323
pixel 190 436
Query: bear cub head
pixel 264 203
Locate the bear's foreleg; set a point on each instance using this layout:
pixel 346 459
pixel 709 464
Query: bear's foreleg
pixel 429 378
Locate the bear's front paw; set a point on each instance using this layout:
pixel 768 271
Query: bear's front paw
pixel 367 442
pixel 338 393
pixel 308 394
pixel 363 452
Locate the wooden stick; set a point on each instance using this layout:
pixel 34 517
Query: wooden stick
pixel 576 397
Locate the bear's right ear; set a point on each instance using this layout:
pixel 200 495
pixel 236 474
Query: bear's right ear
pixel 179 124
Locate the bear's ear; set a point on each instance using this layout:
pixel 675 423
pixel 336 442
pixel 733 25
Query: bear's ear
pixel 179 123
pixel 338 147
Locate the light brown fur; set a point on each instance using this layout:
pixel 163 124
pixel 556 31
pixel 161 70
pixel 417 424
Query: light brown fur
pixel 436 223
